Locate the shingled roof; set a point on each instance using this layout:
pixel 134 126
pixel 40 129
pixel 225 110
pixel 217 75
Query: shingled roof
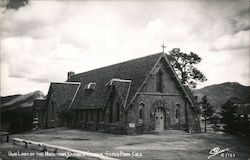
pixel 122 89
pixel 135 70
pixel 63 93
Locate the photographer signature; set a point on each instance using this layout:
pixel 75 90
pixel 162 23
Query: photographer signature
pixel 215 151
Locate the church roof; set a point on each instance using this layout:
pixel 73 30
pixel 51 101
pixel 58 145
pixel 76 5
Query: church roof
pixel 122 88
pixel 63 93
pixel 135 70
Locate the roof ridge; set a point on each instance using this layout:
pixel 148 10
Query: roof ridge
pixel 126 61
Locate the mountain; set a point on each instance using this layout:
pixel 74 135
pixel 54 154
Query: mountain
pixel 20 101
pixel 218 94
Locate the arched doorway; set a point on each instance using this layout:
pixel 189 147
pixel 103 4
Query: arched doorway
pixel 160 115
pixel 159 119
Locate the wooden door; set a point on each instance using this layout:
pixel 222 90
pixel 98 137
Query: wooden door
pixel 159 119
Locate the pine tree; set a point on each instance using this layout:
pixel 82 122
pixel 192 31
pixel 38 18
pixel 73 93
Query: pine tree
pixel 183 65
pixel 207 110
pixel 229 116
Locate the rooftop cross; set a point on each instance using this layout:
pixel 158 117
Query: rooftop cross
pixel 163 47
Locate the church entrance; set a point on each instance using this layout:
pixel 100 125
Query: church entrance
pixel 159 119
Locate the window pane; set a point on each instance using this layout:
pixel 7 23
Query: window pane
pixel 159 81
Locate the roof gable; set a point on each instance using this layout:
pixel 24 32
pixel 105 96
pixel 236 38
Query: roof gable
pixel 122 88
pixel 171 71
pixel 62 94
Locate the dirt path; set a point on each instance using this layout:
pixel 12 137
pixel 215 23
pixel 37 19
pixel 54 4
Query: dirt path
pixel 170 145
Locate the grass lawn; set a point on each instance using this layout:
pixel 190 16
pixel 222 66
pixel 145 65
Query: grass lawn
pixel 171 145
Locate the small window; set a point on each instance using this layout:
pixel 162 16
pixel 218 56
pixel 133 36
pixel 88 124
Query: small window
pixel 118 111
pixel 141 112
pixel 111 115
pixel 159 81
pixel 177 112
pixel 91 85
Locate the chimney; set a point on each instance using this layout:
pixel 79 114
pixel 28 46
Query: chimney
pixel 71 73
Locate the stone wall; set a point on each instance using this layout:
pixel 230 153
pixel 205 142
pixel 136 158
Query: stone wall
pixel 171 99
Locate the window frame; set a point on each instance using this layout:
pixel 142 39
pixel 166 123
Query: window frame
pixel 141 112
pixel 177 112
pixel 159 81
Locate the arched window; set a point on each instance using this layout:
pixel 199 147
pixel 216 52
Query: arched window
pixel 111 115
pixel 177 112
pixel 117 111
pixel 159 81
pixel 141 112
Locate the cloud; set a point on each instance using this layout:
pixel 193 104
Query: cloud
pixel 239 22
pixel 231 42
pixel 225 65
pixel 44 40
pixel 222 17
pixel 16 85
pixel 33 59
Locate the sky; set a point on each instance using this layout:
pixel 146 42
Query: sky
pixel 43 40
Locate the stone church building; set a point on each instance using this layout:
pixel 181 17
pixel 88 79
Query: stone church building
pixel 134 97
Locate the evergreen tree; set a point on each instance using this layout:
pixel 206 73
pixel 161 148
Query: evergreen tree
pixel 207 110
pixel 183 65
pixel 229 116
